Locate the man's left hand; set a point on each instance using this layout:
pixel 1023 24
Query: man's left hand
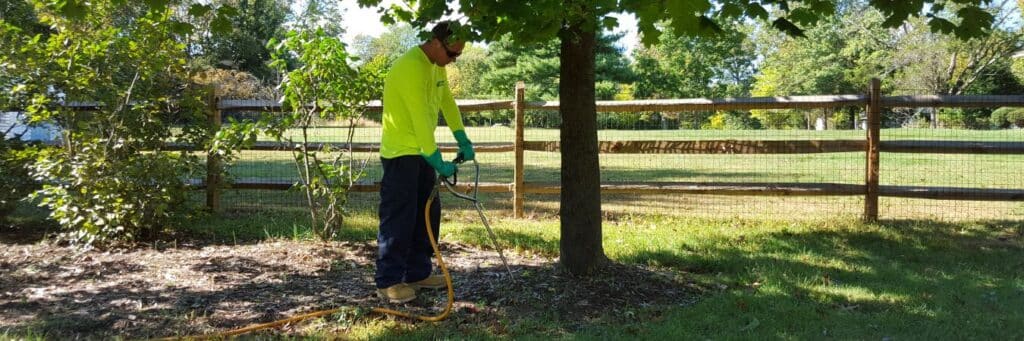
pixel 465 146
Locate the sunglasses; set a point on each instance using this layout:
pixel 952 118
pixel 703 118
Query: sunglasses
pixel 451 54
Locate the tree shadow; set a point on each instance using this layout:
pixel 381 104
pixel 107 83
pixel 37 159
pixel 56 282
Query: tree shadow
pixel 922 270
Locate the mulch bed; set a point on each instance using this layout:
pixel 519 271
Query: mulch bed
pixel 171 289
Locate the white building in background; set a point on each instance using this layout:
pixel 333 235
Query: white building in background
pixel 12 125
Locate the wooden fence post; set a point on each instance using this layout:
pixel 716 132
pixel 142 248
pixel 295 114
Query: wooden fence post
pixel 517 188
pixel 874 126
pixel 213 162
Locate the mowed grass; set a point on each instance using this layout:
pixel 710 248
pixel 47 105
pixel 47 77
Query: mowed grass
pixel 807 279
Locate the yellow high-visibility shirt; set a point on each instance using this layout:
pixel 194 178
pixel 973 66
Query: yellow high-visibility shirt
pixel 414 91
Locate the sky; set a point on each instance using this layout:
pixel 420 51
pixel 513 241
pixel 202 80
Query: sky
pixel 367 21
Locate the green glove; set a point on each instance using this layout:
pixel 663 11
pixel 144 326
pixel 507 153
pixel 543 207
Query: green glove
pixel 465 147
pixel 443 167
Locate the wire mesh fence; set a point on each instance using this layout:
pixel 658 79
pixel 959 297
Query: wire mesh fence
pixel 810 161
pixel 971 169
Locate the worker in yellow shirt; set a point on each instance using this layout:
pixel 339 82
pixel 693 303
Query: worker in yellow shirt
pixel 415 89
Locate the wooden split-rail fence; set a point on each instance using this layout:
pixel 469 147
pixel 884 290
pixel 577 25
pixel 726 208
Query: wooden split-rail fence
pixel 872 101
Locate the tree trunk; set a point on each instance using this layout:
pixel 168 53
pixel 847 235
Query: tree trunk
pixel 580 244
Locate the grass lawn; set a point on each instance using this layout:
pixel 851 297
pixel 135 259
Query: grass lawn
pixel 835 278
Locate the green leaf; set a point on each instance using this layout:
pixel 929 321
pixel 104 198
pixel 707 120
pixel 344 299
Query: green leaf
pixel 649 33
pixel 198 10
pixel 181 28
pixel 72 9
pixel 157 5
pixel 823 8
pixel 975 22
pixel 756 11
pixel 227 10
pixel 610 23
pixel 941 25
pixel 731 10
pixel 803 16
pixel 221 24
pixel 787 27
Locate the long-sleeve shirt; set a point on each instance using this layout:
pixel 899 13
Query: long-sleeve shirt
pixel 414 91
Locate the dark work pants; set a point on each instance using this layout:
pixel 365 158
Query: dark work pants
pixel 403 248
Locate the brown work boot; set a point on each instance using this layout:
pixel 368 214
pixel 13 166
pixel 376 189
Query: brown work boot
pixel 431 282
pixel 398 293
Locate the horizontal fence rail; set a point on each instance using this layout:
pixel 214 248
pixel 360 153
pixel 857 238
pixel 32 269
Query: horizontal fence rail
pixel 484 147
pixel 713 146
pixel 714 188
pixel 706 104
pixel 960 101
pixel 684 147
pixel 952 147
pixel 373 106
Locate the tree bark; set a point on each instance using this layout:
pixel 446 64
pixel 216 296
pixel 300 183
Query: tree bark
pixel 580 244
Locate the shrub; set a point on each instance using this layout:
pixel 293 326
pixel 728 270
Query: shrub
pixel 1007 117
pixel 15 182
pixel 629 120
pixel 964 118
pixel 326 77
pixel 543 119
pixel 110 179
pixel 100 198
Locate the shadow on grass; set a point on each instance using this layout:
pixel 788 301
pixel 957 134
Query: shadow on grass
pixel 898 278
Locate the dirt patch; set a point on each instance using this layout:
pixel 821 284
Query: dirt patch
pixel 183 290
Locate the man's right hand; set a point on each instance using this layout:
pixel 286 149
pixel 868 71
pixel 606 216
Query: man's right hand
pixel 444 168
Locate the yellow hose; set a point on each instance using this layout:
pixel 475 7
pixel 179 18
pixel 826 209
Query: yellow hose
pixel 444 314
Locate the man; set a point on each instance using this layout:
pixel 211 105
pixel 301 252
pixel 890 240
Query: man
pixel 415 90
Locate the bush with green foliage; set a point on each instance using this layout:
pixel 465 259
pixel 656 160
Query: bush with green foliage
pixel 629 120
pixel 964 118
pixel 324 85
pixel 543 119
pixel 1007 117
pixel 780 119
pixel 109 179
pixel 15 181
pixel 732 120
